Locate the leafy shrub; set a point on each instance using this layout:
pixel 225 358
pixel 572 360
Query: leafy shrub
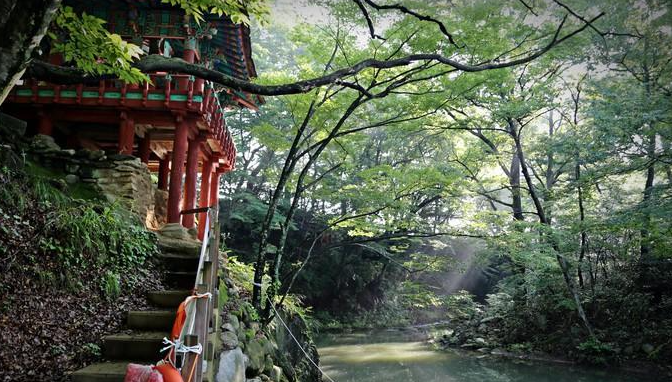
pixel 461 305
pixel 242 274
pixel 112 285
pixel 62 237
pixel 594 351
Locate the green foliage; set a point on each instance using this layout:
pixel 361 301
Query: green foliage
pixel 87 43
pixel 295 306
pixel 92 349
pixel 75 236
pixel 450 164
pixel 242 274
pixel 238 10
pixel 89 234
pixel 594 351
pixel 111 285
pixel 84 40
pixel 461 305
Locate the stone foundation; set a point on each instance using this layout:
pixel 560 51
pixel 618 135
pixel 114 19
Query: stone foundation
pixel 119 178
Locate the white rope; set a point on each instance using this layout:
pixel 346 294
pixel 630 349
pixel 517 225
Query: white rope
pixel 199 295
pixel 297 342
pixel 180 347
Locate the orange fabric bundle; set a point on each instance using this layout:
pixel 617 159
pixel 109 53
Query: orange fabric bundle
pixel 180 319
pixel 169 373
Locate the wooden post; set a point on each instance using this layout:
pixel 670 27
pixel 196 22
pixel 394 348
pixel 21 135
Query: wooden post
pixel 204 197
pixel 177 169
pixel 164 171
pixel 126 134
pixel 201 326
pixel 46 124
pixel 213 256
pixel 145 150
pixel 190 358
pixel 190 181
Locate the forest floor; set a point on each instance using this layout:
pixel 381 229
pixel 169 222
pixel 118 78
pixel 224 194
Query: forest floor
pixel 53 316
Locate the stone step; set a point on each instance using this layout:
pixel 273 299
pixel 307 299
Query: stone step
pixel 181 279
pixel 186 247
pixel 101 372
pixel 137 345
pixel 151 319
pixel 179 261
pixel 168 298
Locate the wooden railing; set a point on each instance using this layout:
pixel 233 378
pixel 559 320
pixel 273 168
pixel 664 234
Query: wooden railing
pixel 201 320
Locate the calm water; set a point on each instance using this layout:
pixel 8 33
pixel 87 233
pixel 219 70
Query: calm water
pixel 405 357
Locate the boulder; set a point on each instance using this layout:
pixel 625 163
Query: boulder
pixel 229 340
pixel 233 320
pixel 10 126
pixel 255 351
pixel 44 143
pixel 71 179
pixel 231 366
pixel 277 375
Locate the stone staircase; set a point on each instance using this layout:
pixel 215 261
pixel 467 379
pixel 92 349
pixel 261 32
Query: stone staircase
pixel 142 340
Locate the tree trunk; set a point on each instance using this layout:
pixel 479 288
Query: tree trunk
pixel 549 176
pixel 645 246
pixel 274 271
pixel 564 266
pixel 582 218
pixel 288 168
pixel 514 182
pixel 23 24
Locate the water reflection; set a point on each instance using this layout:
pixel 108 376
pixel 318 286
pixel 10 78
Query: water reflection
pixel 404 356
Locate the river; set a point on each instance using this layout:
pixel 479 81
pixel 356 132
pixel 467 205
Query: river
pixel 403 356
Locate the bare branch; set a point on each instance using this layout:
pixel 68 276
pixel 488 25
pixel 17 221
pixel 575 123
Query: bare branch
pixel 403 9
pixel 369 22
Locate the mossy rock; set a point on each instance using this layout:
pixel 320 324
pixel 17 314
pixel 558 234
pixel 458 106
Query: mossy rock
pixel 255 352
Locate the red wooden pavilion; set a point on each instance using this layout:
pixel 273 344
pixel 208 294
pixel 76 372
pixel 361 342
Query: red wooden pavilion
pixel 176 123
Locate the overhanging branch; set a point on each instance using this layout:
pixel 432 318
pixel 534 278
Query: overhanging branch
pixel 156 63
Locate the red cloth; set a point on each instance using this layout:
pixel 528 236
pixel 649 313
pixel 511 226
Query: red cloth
pixel 180 318
pixel 142 373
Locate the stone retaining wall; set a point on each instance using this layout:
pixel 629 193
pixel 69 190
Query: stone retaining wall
pixel 118 178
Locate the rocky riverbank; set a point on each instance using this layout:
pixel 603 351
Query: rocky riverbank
pixel 252 353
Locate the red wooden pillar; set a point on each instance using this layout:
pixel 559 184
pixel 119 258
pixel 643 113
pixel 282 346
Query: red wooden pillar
pixel 177 169
pixel 164 171
pixel 214 188
pixel 46 124
pixel 126 135
pixel 190 181
pixel 145 148
pixel 204 198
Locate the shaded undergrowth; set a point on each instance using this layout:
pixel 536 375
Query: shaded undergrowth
pixel 71 264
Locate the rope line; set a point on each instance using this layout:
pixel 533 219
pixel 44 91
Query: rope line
pixel 297 341
pixel 180 347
